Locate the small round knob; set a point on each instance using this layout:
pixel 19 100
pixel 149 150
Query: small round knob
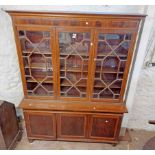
pixel 94 108
pixel 87 23
pixel 106 121
pixel 91 44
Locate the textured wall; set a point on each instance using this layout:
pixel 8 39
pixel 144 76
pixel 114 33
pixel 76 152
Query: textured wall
pixel 10 80
pixel 143 108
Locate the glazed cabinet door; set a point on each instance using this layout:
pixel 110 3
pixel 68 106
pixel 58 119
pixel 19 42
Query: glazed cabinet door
pixel 104 126
pixel 112 58
pixel 74 46
pixel 36 59
pixel 71 126
pixel 40 125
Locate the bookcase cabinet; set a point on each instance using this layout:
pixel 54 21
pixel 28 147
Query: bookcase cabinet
pixel 74 69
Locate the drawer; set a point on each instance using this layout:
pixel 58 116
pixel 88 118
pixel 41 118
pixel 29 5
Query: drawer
pixel 73 22
pixel 55 21
pixel 104 126
pixel 109 23
pixel 40 125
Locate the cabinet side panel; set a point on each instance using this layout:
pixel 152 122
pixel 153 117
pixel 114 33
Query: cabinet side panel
pixel 20 60
pixel 9 123
pixel 2 143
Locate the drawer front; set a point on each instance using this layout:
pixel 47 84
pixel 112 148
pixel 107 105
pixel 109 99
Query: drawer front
pixel 71 126
pixel 104 127
pixel 79 22
pixel 40 125
pixel 54 21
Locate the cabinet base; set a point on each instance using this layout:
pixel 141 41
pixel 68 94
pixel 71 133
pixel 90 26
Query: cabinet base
pixel 72 126
pixel 113 143
pixel 30 140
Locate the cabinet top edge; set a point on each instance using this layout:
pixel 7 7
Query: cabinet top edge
pixel 58 105
pixel 68 13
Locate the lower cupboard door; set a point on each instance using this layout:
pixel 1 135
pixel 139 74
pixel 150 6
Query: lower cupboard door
pixel 104 127
pixel 40 125
pixel 71 126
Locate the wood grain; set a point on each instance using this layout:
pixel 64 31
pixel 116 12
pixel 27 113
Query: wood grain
pixel 86 118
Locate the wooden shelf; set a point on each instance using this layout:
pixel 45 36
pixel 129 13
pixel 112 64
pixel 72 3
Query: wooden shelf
pixel 78 53
pixel 117 91
pixel 39 79
pixel 37 66
pixel 82 84
pixel 115 86
pixel 107 70
pixel 74 69
pixel 42 52
pixel 98 85
pixel 111 55
pixel 98 54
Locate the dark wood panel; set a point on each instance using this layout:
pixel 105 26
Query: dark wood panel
pixel 40 124
pixel 2 142
pixel 72 19
pixel 77 22
pixel 71 125
pixel 76 19
pixel 10 132
pixel 104 126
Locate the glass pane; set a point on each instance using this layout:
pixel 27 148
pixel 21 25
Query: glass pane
pixel 74 56
pixel 37 58
pixel 112 52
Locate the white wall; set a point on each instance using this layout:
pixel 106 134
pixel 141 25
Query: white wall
pixel 143 108
pixel 140 99
pixel 139 106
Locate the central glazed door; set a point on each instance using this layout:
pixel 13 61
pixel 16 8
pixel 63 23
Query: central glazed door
pixel 75 47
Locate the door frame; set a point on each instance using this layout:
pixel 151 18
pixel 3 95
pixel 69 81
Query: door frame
pixel 75 29
pixel 20 58
pixel 128 62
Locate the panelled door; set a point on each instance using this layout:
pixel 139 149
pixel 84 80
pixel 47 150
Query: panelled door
pixel 36 55
pixel 74 46
pixel 112 57
pixel 104 126
pixel 40 124
pixel 71 126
